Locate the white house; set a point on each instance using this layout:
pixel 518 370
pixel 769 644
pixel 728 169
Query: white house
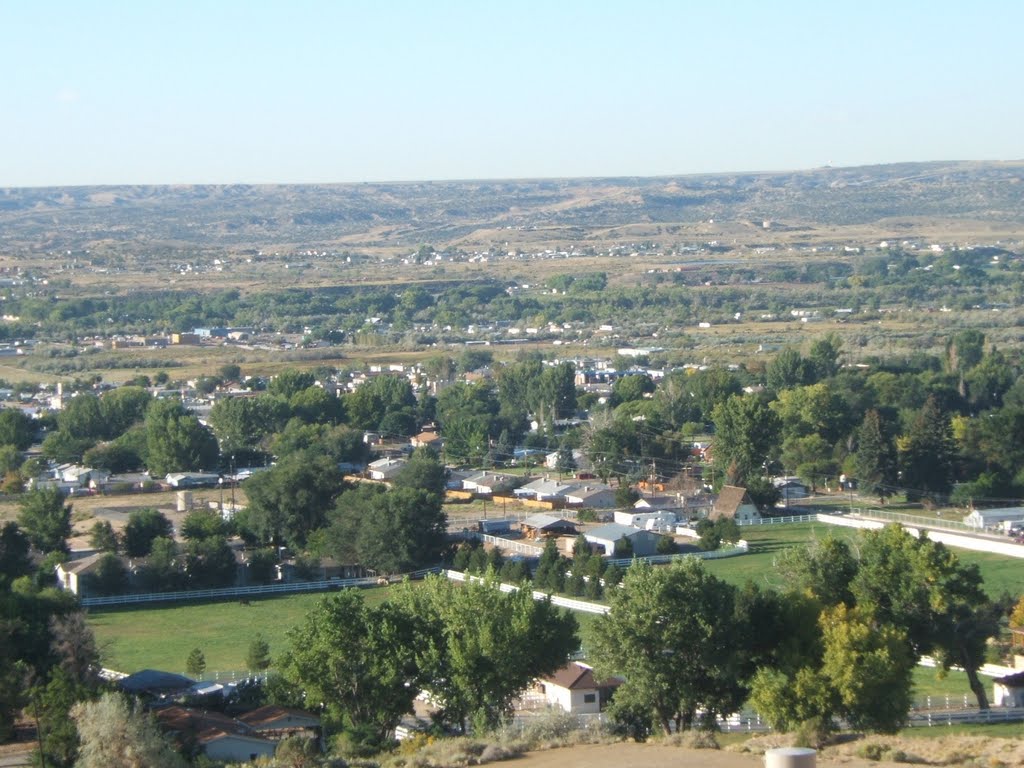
pixel 574 689
pixel 546 489
pixel 596 496
pixel 734 502
pixel 385 469
pixel 647 519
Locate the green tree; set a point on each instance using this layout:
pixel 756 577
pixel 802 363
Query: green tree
pixel 358 660
pixel 672 633
pixel 875 457
pixel 481 647
pixel 123 407
pixel 49 706
pixel 16 429
pixel 290 500
pixel 369 404
pixel 14 554
pixel 823 569
pixel 114 736
pixel 202 523
pixel 788 369
pixel 290 382
pixel 45 519
pixel 110 577
pixel 242 424
pixel 195 665
pixel 258 656
pixel 870 666
pixel 209 563
pixel 102 537
pixel 176 441
pixel 424 471
pixel 142 528
pixel 746 434
pixel 824 356
pixel 926 453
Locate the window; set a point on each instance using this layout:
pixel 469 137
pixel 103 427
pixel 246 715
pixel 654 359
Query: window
pixel 589 698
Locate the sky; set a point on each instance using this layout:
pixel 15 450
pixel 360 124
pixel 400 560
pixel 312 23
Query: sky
pixel 218 91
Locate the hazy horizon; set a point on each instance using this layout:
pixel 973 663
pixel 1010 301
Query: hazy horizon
pixel 318 92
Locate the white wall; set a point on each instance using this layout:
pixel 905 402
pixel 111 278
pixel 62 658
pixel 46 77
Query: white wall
pixel 1007 548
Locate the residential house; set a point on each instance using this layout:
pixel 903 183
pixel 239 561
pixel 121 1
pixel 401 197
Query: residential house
pixel 385 469
pixel 574 689
pixel 487 484
pixel 426 439
pixel 735 503
pixel 650 520
pixel 790 489
pixel 74 574
pixel 216 735
pixel 546 489
pixel 275 722
pixel 192 479
pixel 594 496
pixel 610 537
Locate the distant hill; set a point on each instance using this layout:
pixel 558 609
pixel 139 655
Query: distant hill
pixel 235 216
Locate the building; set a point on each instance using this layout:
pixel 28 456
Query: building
pixel 734 502
pixel 1003 517
pixel 385 469
pixel 543 526
pixel 574 688
pixel 610 537
pixel 596 496
pixel 1008 691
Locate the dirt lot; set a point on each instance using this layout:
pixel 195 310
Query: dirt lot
pixel 627 755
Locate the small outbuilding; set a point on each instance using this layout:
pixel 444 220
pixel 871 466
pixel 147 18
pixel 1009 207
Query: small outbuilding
pixel 610 537
pixel 542 526
pixel 574 689
pixel 1008 691
pixel 734 503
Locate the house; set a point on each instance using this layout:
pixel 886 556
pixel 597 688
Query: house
pixel 983 519
pixel 790 489
pixel 490 483
pixel 74 574
pixel 546 489
pixel 579 459
pixel 540 526
pixel 596 496
pixel 426 439
pixel 574 689
pixel 192 479
pixel 385 469
pixel 611 536
pixel 275 722
pixel 734 502
pixel 217 736
pixel 697 505
pixel 650 520
pixel 1008 691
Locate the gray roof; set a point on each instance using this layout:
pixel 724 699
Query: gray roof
pixel 614 532
pixel 154 680
pixel 545 521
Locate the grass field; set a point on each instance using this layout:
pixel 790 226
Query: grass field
pixel 162 637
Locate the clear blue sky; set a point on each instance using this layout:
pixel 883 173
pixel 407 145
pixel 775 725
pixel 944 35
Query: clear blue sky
pixel 102 92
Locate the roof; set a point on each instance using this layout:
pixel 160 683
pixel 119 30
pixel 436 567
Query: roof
pixel 589 491
pixel 613 532
pixel 1002 513
pixel 730 500
pixel 1016 680
pixel 541 521
pixel 575 676
pixel 268 715
pixel 154 680
pixel 83 565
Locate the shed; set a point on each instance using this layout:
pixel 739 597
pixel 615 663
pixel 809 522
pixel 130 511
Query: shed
pixel 609 536
pixel 537 526
pixel 1008 691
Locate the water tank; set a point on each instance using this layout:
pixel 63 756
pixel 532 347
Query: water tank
pixel 790 757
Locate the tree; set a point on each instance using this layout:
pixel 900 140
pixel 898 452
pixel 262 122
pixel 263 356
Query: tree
pixel 123 407
pixel 565 462
pixel 788 369
pixel 45 519
pixel 176 441
pixel 14 554
pixel 258 656
pixel 109 577
pixel 369 404
pixel 824 356
pixel 672 634
pixel 114 736
pixel 921 587
pixel 290 382
pixel 424 471
pixel 244 423
pixel 209 563
pixel 290 500
pixel 202 523
pixel 746 434
pixel 481 647
pixel 195 665
pixel 875 457
pixel 142 528
pixel 16 429
pixel 358 660
pixel 870 667
pixel 102 537
pixel 823 569
pixel 49 705
pixel 74 648
pixel 393 531
pixel 926 453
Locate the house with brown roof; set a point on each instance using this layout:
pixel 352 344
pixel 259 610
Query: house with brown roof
pixel 276 722
pixel 735 503
pixel 217 736
pixel 574 689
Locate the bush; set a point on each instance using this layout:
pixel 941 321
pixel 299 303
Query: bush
pixel 871 751
pixel 813 733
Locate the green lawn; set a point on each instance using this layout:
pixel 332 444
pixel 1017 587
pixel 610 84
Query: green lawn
pixel 161 637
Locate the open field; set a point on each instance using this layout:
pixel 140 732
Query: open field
pixel 161 637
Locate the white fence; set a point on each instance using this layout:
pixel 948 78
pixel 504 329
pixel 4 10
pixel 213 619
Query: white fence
pixel 242 592
pixel 975 543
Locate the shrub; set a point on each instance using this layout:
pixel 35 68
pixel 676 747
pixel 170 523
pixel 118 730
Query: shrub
pixel 871 751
